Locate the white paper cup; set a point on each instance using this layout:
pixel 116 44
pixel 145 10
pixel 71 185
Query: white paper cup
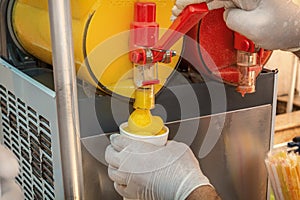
pixel 158 140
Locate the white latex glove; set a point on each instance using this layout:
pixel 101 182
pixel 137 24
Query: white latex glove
pixel 181 4
pixel 145 171
pixel 274 24
pixel 211 4
pixel 246 4
pixel 9 169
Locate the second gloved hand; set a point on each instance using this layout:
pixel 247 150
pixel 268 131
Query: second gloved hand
pixel 212 4
pixel 145 171
pixel 9 169
pixel 274 24
pixel 181 4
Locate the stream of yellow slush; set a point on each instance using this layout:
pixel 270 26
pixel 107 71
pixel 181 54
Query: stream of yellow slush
pixel 141 121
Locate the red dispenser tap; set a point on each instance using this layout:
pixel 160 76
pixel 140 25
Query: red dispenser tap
pixel 223 55
pixel 248 63
pixel 146 49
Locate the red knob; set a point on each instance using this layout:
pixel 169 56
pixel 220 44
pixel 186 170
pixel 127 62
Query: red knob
pixel 144 12
pixel 138 56
pixel 144 29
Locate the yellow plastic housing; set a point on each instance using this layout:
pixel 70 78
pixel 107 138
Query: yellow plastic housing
pixel 101 37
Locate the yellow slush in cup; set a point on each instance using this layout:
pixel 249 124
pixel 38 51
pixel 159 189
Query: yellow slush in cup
pixel 158 139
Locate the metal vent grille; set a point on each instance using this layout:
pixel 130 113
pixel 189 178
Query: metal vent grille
pixel 28 135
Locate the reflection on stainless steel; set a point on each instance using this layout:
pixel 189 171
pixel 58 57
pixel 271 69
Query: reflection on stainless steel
pixel 235 165
pixel 96 180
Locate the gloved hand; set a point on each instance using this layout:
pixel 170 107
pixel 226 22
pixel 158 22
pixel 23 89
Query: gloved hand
pixel 145 171
pixel 246 4
pixel 211 4
pixel 181 4
pixel 274 24
pixel 9 169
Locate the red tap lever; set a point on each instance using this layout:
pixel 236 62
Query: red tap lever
pixel 160 52
pixel 187 19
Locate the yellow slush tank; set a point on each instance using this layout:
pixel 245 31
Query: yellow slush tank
pixel 101 38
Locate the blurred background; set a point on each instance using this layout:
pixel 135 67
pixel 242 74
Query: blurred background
pixel 287 121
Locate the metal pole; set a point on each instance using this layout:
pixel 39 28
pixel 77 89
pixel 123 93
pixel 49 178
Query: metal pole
pixel 66 97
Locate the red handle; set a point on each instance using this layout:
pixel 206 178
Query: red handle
pixel 187 19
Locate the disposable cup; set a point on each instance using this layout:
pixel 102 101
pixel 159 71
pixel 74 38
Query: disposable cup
pixel 158 140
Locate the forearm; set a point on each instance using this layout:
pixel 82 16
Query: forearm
pixel 204 192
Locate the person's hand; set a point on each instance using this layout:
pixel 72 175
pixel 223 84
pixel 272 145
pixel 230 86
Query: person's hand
pixel 9 169
pixel 211 4
pixel 246 4
pixel 274 24
pixel 181 4
pixel 145 171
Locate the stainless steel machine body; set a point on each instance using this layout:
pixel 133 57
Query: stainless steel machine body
pixel 239 139
pixel 230 146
